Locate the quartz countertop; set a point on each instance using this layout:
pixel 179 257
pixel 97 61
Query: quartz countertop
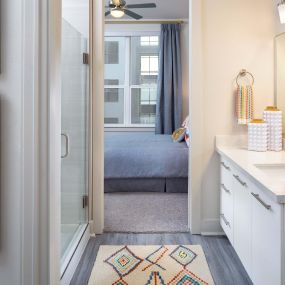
pixel 253 162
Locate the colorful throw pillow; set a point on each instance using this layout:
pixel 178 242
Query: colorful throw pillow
pixel 187 137
pixel 186 122
pixel 179 135
pixel 186 125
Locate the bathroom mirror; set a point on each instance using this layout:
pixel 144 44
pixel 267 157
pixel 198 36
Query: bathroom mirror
pixel 280 74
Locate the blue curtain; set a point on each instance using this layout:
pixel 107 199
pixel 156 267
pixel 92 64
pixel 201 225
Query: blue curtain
pixel 169 92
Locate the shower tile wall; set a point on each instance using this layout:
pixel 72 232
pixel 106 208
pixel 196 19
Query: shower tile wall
pixel 74 124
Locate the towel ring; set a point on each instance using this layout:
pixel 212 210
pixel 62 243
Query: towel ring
pixel 244 73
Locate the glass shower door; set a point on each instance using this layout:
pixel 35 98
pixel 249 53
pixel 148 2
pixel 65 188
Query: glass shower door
pixel 74 138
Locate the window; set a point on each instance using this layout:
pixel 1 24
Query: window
pixel 150 41
pixel 111 95
pixel 131 72
pixel 112 52
pixel 149 65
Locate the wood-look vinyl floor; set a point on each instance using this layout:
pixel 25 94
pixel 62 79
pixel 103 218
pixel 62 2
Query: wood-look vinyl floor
pixel 224 263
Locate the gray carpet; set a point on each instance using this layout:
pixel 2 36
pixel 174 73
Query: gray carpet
pixel 146 212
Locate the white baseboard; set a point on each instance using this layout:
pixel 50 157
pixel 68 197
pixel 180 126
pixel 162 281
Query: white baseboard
pixel 211 227
pixel 213 234
pixel 74 261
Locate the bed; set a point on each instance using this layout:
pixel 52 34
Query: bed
pixel 145 162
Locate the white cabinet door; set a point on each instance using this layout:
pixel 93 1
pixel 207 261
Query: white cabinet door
pixel 242 219
pixel 226 173
pixel 266 239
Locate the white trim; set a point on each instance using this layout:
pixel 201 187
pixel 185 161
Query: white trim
pixel 115 86
pixel 212 233
pixel 29 196
pixel 77 254
pixel 210 226
pixel 129 126
pixel 40 195
pixel 127 94
pixel 132 33
pixel 97 90
pixel 196 97
pixel 72 247
pixel 54 139
pixel 130 129
pixel 146 21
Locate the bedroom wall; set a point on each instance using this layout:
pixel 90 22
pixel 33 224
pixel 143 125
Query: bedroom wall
pixel 233 35
pixel 185 66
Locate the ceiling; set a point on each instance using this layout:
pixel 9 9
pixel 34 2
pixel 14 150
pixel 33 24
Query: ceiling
pixel 165 9
pixel 76 11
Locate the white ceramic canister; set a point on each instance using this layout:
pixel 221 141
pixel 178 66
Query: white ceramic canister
pixel 257 135
pixel 273 118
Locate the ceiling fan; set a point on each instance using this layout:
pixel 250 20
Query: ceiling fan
pixel 118 8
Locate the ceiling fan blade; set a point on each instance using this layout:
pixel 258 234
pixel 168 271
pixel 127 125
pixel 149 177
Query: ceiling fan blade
pixel 146 5
pixel 107 13
pixel 132 14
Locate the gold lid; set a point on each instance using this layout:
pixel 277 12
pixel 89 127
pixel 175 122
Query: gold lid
pixel 272 108
pixel 257 121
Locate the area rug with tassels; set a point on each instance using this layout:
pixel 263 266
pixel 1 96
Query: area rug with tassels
pixel 151 265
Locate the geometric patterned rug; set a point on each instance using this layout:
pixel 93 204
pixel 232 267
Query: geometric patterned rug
pixel 151 265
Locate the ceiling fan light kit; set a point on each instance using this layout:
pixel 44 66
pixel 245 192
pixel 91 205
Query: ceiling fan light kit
pixel 117 13
pixel 119 8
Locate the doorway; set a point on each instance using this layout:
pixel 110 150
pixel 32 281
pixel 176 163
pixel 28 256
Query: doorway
pixel 134 155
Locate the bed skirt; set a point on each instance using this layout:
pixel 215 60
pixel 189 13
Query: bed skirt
pixel 169 185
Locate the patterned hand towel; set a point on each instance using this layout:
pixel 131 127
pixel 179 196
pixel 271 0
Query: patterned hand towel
pixel 244 104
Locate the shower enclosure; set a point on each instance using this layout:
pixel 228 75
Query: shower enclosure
pixel 75 131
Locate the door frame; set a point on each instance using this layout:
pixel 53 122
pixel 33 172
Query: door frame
pixel 97 8
pixel 196 117
pixel 40 250
pixel 41 146
pixel 196 98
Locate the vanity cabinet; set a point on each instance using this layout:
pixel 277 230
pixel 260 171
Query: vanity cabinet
pixel 242 222
pixel 266 238
pixel 226 215
pixel 254 224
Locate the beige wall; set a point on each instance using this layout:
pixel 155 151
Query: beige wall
pixel 234 35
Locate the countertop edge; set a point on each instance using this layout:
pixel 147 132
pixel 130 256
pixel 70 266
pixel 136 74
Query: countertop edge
pixel 276 197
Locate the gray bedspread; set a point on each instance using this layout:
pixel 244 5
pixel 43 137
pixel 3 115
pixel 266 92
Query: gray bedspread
pixel 144 155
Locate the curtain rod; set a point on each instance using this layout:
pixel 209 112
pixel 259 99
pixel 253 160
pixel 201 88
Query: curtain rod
pixel 144 22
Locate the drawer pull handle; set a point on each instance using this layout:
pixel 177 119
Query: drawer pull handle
pixel 240 181
pixel 225 220
pixel 225 188
pixel 66 145
pixel 225 166
pixel 256 196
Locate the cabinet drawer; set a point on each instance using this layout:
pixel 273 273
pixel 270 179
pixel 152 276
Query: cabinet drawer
pixel 226 212
pixel 226 173
pixel 226 199
pixel 227 226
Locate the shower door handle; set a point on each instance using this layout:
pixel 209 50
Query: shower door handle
pixel 66 145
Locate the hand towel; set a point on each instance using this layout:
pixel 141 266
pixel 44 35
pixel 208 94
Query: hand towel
pixel 244 104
